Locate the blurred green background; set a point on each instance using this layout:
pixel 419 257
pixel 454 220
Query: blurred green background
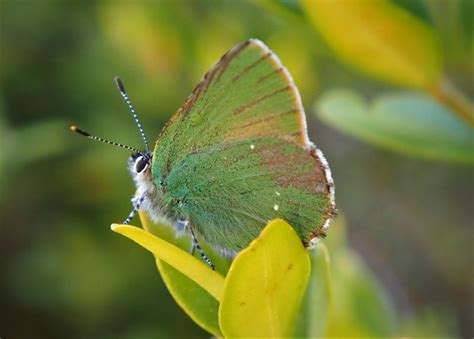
pixel 64 274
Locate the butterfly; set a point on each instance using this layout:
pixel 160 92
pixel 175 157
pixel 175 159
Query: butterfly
pixel 235 156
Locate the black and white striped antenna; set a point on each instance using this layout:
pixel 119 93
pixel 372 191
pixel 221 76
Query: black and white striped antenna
pixel 77 130
pixel 132 110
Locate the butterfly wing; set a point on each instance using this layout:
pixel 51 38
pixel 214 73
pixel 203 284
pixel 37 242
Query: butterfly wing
pixel 239 139
pixel 231 190
pixel 247 93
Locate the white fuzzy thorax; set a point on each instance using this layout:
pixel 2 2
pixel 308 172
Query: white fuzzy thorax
pixel 147 189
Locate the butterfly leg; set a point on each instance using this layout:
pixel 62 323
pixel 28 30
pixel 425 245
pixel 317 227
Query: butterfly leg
pixel 196 246
pixel 136 206
pixel 182 228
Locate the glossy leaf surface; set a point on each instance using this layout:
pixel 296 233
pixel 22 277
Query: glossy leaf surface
pixel 265 285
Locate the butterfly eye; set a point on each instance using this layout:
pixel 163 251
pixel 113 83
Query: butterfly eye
pixel 141 164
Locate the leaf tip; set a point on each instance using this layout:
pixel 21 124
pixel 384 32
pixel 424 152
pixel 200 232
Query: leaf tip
pixel 114 227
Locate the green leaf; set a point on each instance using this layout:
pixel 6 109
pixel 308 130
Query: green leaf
pixel 361 307
pixel 265 285
pixel 379 38
pixel 314 314
pixel 408 123
pixel 196 302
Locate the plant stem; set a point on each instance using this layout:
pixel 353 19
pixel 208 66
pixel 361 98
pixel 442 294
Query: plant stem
pixel 450 96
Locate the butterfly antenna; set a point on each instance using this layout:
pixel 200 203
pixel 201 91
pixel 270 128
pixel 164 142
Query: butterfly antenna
pixel 132 110
pixel 93 137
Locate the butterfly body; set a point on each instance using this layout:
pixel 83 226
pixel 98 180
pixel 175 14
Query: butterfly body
pixel 237 155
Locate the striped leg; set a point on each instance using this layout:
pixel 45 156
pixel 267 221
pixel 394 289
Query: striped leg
pixel 199 249
pixel 136 207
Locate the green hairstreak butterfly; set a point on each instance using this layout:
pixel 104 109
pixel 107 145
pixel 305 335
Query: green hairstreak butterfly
pixel 234 156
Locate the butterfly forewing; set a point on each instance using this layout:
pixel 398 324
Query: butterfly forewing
pixel 247 93
pixel 236 154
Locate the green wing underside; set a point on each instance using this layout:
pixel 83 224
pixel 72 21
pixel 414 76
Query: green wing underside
pixel 235 155
pixel 230 192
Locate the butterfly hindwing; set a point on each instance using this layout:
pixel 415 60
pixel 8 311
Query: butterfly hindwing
pixel 231 190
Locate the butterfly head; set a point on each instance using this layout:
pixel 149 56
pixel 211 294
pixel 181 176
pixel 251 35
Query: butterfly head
pixel 139 165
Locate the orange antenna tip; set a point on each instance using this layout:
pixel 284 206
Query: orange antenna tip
pixel 77 130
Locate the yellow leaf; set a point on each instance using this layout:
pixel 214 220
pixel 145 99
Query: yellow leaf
pixel 195 301
pixel 380 39
pixel 265 285
pixel 192 267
